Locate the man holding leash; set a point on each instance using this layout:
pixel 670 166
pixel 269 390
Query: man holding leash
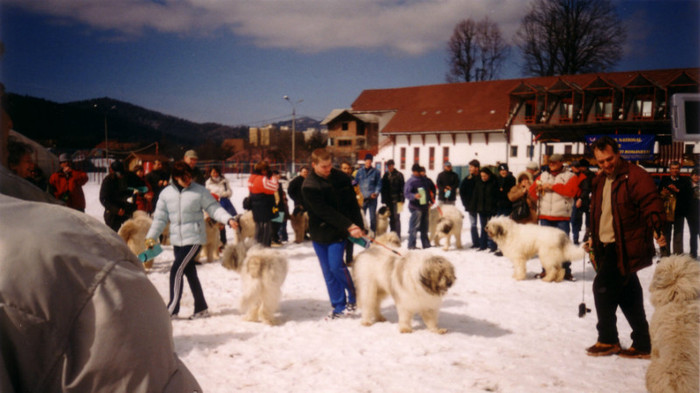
pixel 625 210
pixel 334 215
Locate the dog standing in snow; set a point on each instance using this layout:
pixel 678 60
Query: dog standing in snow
pixel 417 282
pixel 445 222
pixel 210 249
pixel 382 218
pixel 675 326
pixel 300 224
pixel 134 231
pixel 246 226
pixel 520 242
pixel 263 271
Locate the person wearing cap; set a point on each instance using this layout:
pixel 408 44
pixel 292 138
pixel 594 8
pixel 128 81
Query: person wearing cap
pixel 554 192
pixel 392 195
pixel 67 183
pixel 447 185
pixel 505 181
pixel 582 200
pixel 466 191
pixel 191 159
pixel 533 169
pixel 114 195
pixel 417 192
pixel 370 182
pixel 77 312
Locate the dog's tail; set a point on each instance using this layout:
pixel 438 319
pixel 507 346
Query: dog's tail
pixel 233 256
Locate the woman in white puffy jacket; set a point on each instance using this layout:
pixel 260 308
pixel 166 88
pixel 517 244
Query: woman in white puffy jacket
pixel 221 190
pixel 182 204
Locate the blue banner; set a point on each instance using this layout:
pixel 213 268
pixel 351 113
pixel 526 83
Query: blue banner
pixel 632 147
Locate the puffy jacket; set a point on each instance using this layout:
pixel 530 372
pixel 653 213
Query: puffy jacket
pixel 77 312
pixel 557 204
pixel 219 187
pixel 332 206
pixel 262 196
pixel 183 208
pixel 69 188
pixel 636 209
pixel 369 180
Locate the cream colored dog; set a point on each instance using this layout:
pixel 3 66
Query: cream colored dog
pixel 300 224
pixel 382 218
pixel 445 222
pixel 263 271
pixel 134 231
pixel 246 226
pixel 417 282
pixel 675 326
pixel 211 248
pixel 520 242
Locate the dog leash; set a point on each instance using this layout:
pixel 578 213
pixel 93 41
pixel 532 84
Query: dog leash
pixel 582 309
pixel 374 241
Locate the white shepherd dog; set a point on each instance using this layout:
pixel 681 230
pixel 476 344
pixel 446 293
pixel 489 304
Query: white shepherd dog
pixel 520 242
pixel 445 222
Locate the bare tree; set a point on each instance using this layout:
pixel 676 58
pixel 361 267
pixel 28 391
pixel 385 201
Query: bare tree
pixel 476 51
pixel 563 37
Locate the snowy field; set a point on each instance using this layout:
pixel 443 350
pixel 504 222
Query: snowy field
pixel 503 335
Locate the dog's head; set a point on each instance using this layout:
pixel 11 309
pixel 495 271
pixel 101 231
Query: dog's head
pixel 499 226
pixel 444 225
pixel 390 239
pixel 234 254
pixel 383 211
pixel 676 280
pixel 437 275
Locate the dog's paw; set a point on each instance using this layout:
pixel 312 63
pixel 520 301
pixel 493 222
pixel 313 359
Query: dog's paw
pixel 366 323
pixel 380 318
pixel 405 330
pixel 439 330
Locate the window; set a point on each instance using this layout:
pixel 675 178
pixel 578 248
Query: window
pixel 345 126
pixel 445 154
pixel 514 151
pixel 549 150
pixel 431 158
pixel 567 149
pixel 530 112
pixel 531 151
pixel 416 155
pixel 344 142
pixel 603 109
pixel 402 160
pixel 361 129
pixel 566 111
pixel 642 108
pixel 689 149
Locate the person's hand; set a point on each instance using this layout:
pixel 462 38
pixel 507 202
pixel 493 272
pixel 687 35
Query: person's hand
pixel 660 240
pixel 673 187
pixel 588 245
pixel 67 169
pixel 121 212
pixel 374 195
pixel 233 224
pixel 355 231
pixel 150 243
pixel 579 203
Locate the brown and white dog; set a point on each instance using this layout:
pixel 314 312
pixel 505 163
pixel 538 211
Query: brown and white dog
pixel 417 281
pixel 134 231
pixel 211 248
pixel 445 222
pixel 675 326
pixel 300 224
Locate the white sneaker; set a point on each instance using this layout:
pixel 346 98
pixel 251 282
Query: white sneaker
pixel 338 315
pixel 199 315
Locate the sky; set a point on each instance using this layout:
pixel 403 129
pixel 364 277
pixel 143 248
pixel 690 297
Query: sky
pixel 232 62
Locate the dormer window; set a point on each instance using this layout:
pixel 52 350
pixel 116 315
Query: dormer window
pixel 530 112
pixel 566 111
pixel 603 109
pixel 642 108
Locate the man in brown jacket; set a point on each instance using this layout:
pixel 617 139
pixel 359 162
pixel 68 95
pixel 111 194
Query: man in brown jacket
pixel 625 209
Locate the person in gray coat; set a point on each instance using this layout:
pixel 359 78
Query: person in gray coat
pixel 182 204
pixel 77 313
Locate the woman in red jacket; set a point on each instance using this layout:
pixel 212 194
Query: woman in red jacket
pixel 262 186
pixel 67 184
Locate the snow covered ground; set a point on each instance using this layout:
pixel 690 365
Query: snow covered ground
pixel 503 335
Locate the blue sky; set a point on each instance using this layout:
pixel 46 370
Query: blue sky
pixel 231 62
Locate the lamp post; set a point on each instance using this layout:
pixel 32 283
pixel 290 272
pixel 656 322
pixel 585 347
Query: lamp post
pixel 294 127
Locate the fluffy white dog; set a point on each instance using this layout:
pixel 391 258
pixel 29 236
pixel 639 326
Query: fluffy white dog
pixel 300 224
pixel 520 242
pixel 417 282
pixel 262 271
pixel 675 326
pixel 382 218
pixel 134 231
pixel 445 222
pixel 246 226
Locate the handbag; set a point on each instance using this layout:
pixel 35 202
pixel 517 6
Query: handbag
pixel 521 210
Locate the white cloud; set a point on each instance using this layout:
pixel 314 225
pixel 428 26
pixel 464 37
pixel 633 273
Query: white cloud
pixel 407 26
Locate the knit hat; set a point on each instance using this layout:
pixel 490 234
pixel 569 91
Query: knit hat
pixel 64 158
pixel 368 156
pixel 502 167
pixel 447 163
pixel 415 168
pixel 117 167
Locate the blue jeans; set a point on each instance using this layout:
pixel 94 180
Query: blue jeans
pixel 485 240
pixel 341 289
pixel 418 222
pixel 474 229
pixel 563 225
pixel 371 205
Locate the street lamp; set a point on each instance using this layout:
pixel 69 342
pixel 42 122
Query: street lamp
pixel 294 126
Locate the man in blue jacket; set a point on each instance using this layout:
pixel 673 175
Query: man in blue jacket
pixel 370 182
